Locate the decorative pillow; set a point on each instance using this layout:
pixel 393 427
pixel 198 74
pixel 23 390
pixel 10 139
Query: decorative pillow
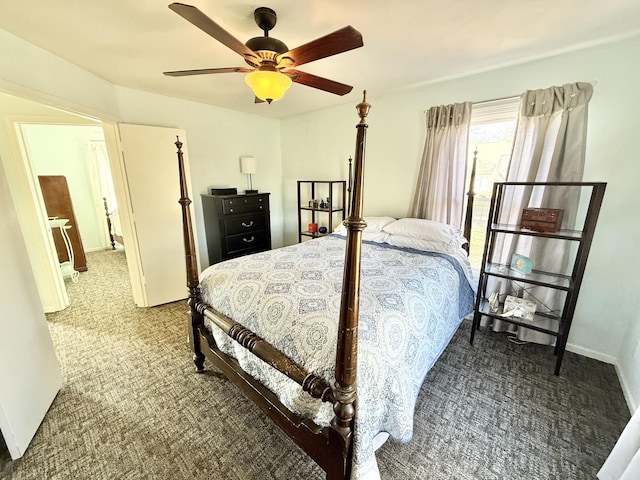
pixel 374 224
pixel 429 230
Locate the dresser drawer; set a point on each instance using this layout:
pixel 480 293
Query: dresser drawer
pixel 245 204
pixel 245 224
pixel 254 240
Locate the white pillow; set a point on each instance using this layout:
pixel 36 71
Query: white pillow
pixel 423 229
pixel 378 237
pixel 423 245
pixel 374 224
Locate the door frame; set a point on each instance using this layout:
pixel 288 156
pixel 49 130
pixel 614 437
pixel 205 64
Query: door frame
pixel 32 213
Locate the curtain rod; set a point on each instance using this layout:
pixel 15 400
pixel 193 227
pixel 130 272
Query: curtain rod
pixel 489 101
pixel 593 84
pixel 509 97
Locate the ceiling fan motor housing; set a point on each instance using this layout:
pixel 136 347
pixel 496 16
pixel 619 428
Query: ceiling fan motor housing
pixel 266 19
pixel 271 44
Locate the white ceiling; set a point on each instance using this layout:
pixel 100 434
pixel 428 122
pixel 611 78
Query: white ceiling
pixel 406 42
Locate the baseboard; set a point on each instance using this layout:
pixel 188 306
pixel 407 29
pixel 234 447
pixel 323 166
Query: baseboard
pixel 631 402
pixel 585 352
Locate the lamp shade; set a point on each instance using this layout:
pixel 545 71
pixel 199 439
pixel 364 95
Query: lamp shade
pixel 248 165
pixel 268 85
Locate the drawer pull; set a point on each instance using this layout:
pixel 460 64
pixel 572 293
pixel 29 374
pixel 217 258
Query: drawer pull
pixel 247 225
pixel 248 240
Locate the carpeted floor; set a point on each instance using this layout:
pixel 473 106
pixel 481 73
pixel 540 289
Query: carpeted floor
pixel 131 406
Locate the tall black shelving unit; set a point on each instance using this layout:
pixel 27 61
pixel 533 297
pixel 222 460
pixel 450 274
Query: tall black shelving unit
pixel 334 191
pixel 568 283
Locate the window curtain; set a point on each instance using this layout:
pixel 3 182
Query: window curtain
pixel 439 193
pixel 549 145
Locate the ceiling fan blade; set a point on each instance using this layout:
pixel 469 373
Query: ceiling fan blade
pixel 204 23
pixel 342 40
pixel 205 71
pixel 258 100
pixel 320 83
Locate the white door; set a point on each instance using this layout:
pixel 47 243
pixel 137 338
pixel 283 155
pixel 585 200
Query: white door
pixel 30 374
pixel 151 170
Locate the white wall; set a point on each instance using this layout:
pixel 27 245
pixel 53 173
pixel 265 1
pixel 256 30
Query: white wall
pixel 40 73
pixel 216 139
pixel 607 311
pixel 64 150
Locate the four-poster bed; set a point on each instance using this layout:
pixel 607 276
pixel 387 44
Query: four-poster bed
pixel 320 314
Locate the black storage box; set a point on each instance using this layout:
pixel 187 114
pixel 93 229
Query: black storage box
pixel 224 191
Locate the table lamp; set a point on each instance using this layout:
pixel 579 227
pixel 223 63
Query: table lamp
pixel 248 166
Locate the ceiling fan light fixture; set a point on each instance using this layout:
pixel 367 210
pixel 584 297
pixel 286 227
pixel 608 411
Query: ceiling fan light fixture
pixel 269 56
pixel 268 85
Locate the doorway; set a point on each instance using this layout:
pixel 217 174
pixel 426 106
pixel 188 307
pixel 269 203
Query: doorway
pixel 47 141
pixel 155 249
pixel 78 154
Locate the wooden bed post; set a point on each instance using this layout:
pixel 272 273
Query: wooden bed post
pixel 347 346
pixel 109 227
pixel 192 268
pixel 468 217
pixel 350 187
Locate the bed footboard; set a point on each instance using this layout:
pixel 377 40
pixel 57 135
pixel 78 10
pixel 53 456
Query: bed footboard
pixel 330 447
pixel 316 386
pixel 330 450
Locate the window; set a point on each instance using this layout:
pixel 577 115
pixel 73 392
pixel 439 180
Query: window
pixel 491 133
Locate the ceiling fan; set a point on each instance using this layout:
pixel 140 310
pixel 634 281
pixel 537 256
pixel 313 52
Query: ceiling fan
pixel 271 61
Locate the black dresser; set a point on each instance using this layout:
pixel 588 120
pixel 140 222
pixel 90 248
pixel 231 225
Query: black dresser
pixel 236 225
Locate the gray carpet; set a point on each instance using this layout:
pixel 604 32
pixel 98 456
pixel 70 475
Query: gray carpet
pixel 131 406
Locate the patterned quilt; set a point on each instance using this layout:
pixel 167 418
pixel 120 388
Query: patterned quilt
pixel 411 304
